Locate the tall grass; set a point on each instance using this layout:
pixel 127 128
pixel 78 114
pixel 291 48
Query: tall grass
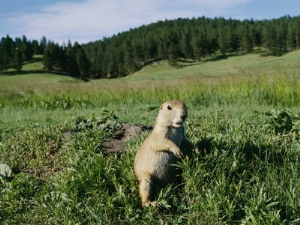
pixel 280 91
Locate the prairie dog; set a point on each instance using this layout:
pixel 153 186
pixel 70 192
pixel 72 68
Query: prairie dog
pixel 152 164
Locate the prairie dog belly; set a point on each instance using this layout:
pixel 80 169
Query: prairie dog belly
pixel 163 168
pixel 176 135
pixel 157 164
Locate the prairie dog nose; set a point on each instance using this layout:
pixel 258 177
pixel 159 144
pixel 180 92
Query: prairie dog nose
pixel 183 117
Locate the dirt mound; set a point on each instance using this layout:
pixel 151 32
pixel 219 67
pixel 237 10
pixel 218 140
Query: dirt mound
pixel 127 131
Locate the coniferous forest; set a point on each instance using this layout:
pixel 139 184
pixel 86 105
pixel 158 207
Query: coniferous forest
pixel 172 40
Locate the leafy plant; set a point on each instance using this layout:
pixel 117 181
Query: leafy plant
pixel 281 120
pixel 5 172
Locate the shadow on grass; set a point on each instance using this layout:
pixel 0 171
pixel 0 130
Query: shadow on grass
pixel 251 151
pixel 25 72
pixel 218 58
pixel 22 72
pixel 190 62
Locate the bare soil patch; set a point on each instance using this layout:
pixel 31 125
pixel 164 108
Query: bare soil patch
pixel 127 131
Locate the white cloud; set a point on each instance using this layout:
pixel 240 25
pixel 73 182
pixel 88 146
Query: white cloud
pixel 93 19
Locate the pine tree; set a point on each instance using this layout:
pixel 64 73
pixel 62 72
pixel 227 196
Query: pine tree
pixel 35 47
pixel 54 57
pixel 186 45
pixel 71 62
pixel 200 46
pixel 151 48
pixel 245 40
pixel 128 57
pixel 8 47
pixel 17 60
pixel 173 55
pixel 82 62
pixel 43 44
pixel 26 49
pixel 2 59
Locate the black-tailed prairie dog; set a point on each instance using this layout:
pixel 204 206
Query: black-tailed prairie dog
pixel 153 161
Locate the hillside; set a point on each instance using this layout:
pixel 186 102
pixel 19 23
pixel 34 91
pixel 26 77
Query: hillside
pixel 197 39
pixel 250 65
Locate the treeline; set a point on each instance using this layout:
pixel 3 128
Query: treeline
pixel 67 58
pixel 171 40
pixel 194 39
pixel 13 53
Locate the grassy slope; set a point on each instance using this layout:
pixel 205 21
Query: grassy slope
pixel 147 81
pixel 250 65
pixel 246 172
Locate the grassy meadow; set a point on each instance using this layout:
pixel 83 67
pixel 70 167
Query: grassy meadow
pixel 243 116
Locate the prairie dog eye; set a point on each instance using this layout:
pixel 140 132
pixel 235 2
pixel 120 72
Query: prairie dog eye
pixel 169 107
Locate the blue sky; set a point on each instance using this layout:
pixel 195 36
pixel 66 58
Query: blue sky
pixel 90 20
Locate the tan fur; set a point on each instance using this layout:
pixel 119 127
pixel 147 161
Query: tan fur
pixel 152 164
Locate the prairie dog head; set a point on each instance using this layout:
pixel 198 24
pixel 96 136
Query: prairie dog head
pixel 172 114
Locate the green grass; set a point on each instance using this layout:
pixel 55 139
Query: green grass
pixel 243 116
pixel 251 65
pixel 37 65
